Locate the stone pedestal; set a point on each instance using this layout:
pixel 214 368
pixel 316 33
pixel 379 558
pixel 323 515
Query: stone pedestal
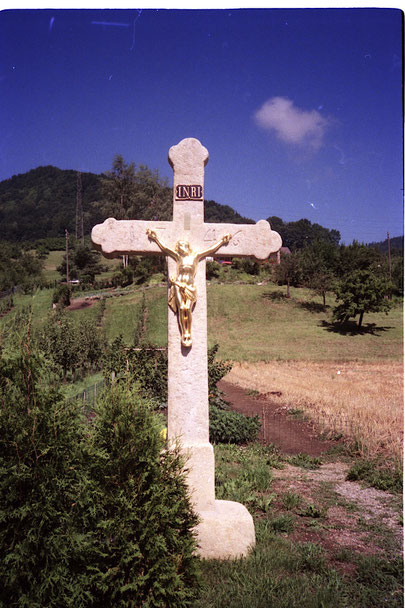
pixel 225 531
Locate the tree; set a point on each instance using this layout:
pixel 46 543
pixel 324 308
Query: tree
pixel 131 193
pixel 83 264
pixel 318 264
pixel 302 233
pixel 288 272
pixel 358 256
pixel 361 291
pixel 398 274
pixel 59 341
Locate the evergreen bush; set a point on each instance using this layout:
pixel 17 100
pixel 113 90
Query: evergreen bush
pixel 93 512
pixel 145 523
pixel 46 493
pixel 232 427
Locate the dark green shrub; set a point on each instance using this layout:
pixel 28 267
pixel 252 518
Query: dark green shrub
pixel 61 295
pixel 232 427
pixel 46 493
pixel 92 512
pixel 144 528
pixel 216 370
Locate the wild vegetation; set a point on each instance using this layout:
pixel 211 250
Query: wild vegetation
pixel 90 497
pixel 94 512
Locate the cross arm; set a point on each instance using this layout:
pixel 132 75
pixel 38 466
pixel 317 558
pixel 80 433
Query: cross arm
pixel 248 240
pixel 124 237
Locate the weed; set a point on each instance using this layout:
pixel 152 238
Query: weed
pixel 236 490
pixel 259 475
pixel 305 461
pixel 263 502
pixel 344 555
pixel 283 523
pixel 297 413
pixel 291 500
pixel 377 475
pixel 312 510
pixel 312 557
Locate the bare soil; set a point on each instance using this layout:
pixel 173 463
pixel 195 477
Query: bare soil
pixel 80 303
pixel 293 435
pixel 339 515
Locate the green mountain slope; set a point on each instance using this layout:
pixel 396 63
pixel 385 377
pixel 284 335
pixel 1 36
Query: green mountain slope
pixel 42 203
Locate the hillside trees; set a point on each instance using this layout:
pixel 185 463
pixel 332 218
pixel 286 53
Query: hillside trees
pixel 358 256
pixel 302 233
pixel 84 264
pixel 134 193
pixel 41 203
pixel 18 267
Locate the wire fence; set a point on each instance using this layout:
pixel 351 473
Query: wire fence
pixel 88 395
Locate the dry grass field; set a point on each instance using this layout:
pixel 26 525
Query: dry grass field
pixel 361 400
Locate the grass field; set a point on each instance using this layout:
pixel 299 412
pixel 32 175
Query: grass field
pixel 52 261
pixel 250 325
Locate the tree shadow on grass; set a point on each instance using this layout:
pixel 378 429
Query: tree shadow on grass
pixel 350 328
pixel 275 295
pixel 313 306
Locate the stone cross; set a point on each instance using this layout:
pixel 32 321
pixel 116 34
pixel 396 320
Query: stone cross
pixel 226 528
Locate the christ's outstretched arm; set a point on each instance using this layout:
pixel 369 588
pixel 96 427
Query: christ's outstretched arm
pixel 225 239
pixel 154 237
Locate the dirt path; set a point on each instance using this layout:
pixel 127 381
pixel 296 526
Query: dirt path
pixel 292 435
pixel 324 508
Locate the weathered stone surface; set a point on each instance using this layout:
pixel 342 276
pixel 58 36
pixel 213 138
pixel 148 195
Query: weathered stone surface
pixel 226 529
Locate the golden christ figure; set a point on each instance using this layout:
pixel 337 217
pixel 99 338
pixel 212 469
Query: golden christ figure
pixel 183 292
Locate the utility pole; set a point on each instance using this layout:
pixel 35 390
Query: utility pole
pixel 67 255
pixel 389 253
pixel 79 209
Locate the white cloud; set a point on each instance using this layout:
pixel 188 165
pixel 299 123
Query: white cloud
pixel 291 124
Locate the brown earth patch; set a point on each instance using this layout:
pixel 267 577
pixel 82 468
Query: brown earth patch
pixel 339 515
pixel 292 435
pixel 348 515
pixel 80 303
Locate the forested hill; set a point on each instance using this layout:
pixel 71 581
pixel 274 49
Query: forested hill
pixel 396 243
pixel 42 202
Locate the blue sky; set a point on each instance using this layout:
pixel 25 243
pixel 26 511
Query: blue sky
pixel 301 110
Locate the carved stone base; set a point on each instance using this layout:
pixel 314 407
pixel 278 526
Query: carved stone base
pixel 226 531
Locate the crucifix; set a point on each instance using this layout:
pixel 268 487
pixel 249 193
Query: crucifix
pixel 226 528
